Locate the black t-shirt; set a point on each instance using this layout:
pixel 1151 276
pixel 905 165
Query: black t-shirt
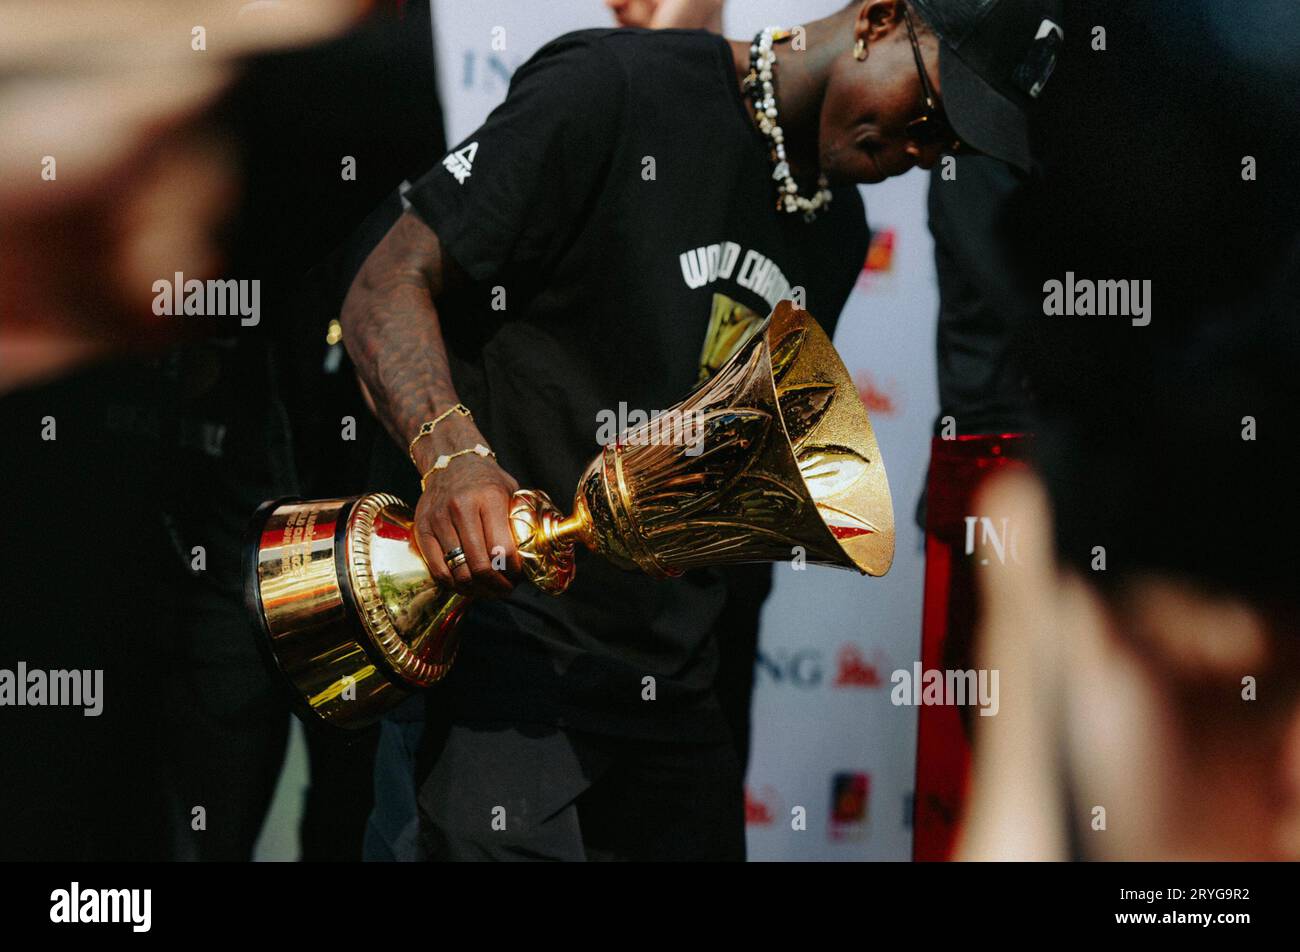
pixel 980 297
pixel 615 202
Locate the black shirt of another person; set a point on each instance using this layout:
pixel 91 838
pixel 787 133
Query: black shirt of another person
pixel 618 202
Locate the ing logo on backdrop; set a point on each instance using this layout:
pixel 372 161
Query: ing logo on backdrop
pixel 761 806
pixel 486 72
pixel 879 262
pixel 806 668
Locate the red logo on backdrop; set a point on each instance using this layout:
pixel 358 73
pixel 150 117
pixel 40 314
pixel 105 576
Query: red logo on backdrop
pixel 760 810
pixel 880 253
pixel 850 793
pixel 854 671
pixel 875 399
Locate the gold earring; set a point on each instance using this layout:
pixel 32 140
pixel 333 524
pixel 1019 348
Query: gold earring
pixel 860 50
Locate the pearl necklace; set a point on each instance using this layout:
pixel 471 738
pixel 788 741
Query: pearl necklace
pixel 761 91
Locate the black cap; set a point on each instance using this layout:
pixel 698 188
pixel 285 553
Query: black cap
pixel 995 57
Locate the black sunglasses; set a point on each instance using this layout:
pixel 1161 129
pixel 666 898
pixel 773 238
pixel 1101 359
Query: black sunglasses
pixel 932 125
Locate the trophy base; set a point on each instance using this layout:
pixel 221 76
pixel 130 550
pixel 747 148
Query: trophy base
pixel 300 595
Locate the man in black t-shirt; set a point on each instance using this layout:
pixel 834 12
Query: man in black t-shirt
pixel 570 258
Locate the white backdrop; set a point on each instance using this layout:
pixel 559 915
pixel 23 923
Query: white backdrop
pixel 829 639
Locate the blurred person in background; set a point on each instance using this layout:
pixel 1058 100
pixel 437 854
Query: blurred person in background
pixel 669 14
pixel 166 431
pixel 1148 630
pixel 117 173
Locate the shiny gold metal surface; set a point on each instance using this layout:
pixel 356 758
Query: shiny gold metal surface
pixel 730 325
pixel 786 464
pixel 772 458
pixel 346 607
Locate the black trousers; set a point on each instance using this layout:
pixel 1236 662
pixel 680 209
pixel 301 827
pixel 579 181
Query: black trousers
pixel 522 792
pixel 229 726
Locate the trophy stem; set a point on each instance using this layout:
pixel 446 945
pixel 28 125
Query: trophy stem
pixel 570 530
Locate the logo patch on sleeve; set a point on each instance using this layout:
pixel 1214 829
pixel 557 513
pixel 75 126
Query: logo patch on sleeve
pixel 460 162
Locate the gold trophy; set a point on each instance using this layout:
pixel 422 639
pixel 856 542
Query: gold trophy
pixel 772 458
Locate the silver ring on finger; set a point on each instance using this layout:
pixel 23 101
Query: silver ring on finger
pixel 456 558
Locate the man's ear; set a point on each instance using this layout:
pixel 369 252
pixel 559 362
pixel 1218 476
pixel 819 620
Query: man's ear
pixel 877 19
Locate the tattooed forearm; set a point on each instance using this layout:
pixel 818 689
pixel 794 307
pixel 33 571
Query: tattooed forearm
pixel 391 330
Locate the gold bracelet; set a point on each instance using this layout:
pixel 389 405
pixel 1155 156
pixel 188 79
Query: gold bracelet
pixel 445 460
pixel 427 427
